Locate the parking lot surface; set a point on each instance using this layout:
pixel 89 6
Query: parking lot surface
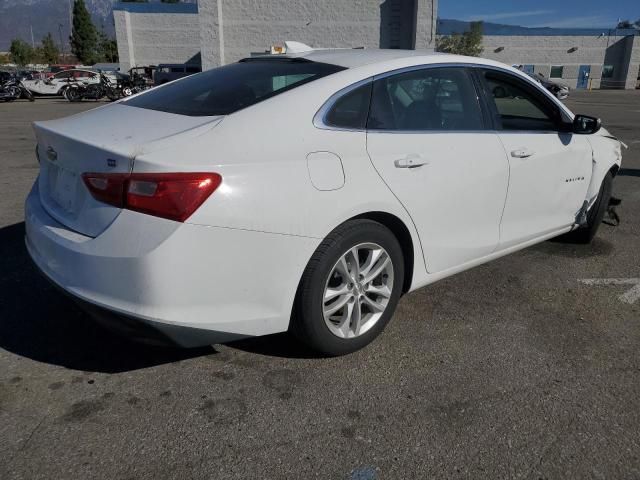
pixel 516 368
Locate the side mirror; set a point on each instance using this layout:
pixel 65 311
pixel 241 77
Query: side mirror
pixel 586 125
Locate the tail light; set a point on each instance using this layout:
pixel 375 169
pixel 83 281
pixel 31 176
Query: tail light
pixel 168 195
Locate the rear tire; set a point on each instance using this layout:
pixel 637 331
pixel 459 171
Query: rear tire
pixel 370 289
pixel 595 215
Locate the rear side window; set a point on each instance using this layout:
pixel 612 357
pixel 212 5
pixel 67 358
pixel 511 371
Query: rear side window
pixel 351 110
pixel 227 89
pixel 426 99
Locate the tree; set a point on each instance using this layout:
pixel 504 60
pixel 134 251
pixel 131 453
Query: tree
pixel 625 24
pixel 469 43
pixel 50 52
pixel 84 38
pixel 108 48
pixel 628 25
pixel 4 58
pixel 21 52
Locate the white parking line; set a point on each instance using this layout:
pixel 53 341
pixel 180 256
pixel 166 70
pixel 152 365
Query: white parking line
pixel 630 296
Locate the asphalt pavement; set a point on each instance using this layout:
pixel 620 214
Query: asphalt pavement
pixel 515 369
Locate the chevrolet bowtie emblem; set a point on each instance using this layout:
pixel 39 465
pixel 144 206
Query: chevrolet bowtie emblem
pixel 52 154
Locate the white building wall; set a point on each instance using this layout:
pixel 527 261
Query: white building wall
pixel 633 76
pixel 569 51
pixel 153 38
pixel 233 29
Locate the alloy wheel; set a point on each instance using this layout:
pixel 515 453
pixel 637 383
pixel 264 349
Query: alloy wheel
pixel 358 290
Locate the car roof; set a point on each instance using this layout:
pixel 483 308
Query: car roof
pixel 76 70
pixel 358 57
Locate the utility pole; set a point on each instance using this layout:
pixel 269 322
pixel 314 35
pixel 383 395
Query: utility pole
pixel 61 42
pixel 33 44
pixel 70 18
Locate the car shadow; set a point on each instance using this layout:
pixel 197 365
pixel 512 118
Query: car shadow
pixel 39 323
pixel 629 172
pixel 280 345
pixel 559 246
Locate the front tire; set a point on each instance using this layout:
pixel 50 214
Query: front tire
pixel 595 215
pixel 350 288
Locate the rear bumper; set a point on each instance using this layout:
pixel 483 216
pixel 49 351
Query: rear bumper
pixel 166 281
pixel 147 331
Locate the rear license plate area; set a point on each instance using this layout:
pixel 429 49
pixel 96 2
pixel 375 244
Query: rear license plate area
pixel 63 187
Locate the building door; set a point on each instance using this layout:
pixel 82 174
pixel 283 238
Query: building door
pixel 583 76
pixel 528 69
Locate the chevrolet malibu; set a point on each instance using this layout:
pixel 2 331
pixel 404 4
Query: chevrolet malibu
pixel 307 192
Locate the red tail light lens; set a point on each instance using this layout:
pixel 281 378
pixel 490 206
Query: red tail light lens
pixel 107 187
pixel 168 195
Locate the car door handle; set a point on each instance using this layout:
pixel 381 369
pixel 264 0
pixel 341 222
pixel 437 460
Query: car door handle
pixel 522 153
pixel 410 161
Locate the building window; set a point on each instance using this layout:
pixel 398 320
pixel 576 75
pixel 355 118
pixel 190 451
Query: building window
pixel 607 71
pixel 556 71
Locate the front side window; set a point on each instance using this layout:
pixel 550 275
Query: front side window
pixel 426 99
pixel 224 90
pixel 517 106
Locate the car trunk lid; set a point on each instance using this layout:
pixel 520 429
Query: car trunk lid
pixel 104 140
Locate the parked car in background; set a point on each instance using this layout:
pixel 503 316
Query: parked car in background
pixel 186 214
pixel 136 80
pixel 60 67
pixel 106 67
pixel 166 72
pixel 57 83
pixel 560 90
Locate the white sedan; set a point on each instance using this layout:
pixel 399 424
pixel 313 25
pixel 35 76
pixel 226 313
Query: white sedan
pixel 56 84
pixel 307 192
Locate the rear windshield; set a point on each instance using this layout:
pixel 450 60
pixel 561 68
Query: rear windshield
pixel 227 89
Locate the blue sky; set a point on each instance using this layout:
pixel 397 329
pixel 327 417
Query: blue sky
pixel 543 13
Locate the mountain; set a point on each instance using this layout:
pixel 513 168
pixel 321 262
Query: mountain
pixel 19 17
pixel 447 26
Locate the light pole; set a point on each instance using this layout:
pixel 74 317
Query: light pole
pixel 61 43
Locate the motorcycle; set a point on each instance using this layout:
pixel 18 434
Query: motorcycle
pixel 78 91
pixel 133 83
pixel 13 89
